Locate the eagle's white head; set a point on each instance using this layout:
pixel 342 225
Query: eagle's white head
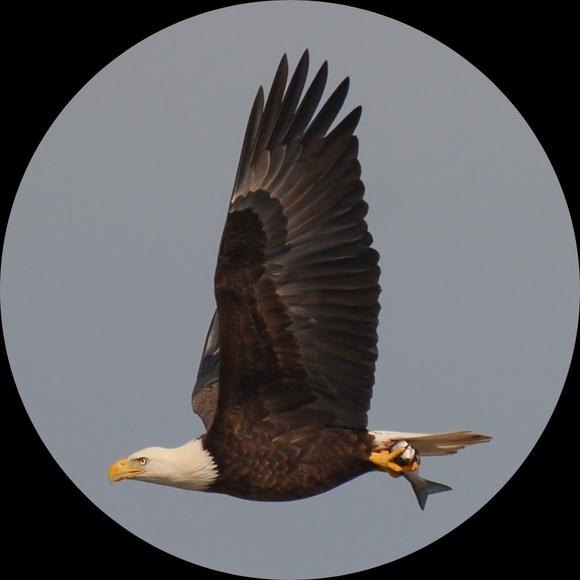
pixel 188 467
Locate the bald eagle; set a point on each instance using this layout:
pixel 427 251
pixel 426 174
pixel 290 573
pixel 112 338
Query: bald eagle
pixel 287 371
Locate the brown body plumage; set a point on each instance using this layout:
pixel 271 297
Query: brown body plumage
pixel 297 464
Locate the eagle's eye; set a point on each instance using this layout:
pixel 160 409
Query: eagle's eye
pixel 143 460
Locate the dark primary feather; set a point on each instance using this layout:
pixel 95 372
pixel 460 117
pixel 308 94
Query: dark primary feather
pixel 294 339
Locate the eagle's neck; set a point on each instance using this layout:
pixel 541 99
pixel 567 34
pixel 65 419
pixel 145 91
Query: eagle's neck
pixel 189 467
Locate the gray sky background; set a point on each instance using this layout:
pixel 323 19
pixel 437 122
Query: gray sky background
pixel 108 267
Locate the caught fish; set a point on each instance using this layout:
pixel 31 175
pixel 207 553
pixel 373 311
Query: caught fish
pixel 421 486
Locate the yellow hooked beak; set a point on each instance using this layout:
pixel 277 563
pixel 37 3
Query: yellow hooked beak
pixel 123 469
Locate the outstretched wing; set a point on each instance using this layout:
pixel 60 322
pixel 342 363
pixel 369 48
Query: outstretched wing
pixel 296 282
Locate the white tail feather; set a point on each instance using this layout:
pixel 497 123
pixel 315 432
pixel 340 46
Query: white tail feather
pixel 431 443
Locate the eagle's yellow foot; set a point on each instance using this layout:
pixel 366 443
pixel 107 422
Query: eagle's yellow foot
pixel 385 461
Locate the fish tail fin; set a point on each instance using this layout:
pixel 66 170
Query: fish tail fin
pixel 423 487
